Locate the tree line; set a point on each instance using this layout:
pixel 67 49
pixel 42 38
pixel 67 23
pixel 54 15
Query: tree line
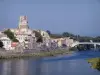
pixel 74 37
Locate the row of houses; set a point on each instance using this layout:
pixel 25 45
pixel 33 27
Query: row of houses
pixel 63 42
pixel 29 42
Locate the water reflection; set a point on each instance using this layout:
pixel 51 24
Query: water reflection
pixel 21 67
pixel 6 68
pixel 14 67
pixel 95 63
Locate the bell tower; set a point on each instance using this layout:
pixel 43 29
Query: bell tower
pixel 23 23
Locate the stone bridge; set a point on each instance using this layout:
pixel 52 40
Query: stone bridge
pixel 92 43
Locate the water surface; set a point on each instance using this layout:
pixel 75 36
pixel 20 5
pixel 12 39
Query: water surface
pixel 72 64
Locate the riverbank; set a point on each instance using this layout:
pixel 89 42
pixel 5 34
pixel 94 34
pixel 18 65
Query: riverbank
pixel 5 55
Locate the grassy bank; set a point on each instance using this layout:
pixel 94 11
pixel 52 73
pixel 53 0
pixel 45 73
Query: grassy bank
pixel 95 63
pixel 38 54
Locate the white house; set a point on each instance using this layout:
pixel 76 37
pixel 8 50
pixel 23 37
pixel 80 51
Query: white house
pixel 6 42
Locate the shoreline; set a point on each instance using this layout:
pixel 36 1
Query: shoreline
pixel 36 55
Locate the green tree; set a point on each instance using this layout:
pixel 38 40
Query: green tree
pixel 67 34
pixel 38 36
pixel 56 36
pixel 1 44
pixel 10 35
pixel 96 39
pixel 48 32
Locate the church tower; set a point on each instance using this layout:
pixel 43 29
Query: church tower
pixel 23 23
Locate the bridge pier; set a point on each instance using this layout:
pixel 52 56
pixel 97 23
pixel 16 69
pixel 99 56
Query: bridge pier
pixel 95 47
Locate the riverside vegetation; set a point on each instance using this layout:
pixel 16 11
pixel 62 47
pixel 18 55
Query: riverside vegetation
pixel 95 63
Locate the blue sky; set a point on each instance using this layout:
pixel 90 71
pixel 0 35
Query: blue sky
pixel 76 16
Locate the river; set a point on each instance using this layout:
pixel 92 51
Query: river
pixel 71 64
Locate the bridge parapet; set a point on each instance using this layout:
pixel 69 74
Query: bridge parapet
pixel 77 43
